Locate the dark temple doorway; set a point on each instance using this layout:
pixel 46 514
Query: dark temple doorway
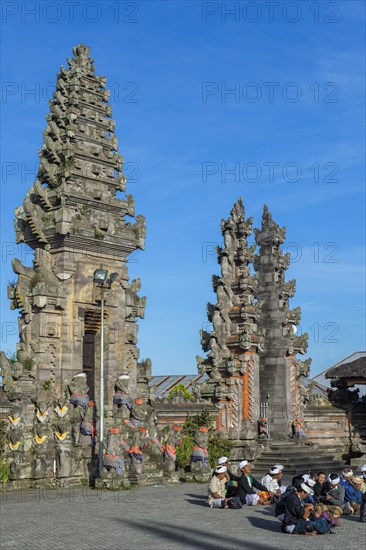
pixel 89 362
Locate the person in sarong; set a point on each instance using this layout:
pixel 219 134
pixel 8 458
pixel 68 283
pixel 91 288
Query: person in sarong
pixel 331 501
pixel 298 428
pixel 247 485
pixel 363 508
pixel 297 515
pixel 216 489
pixel 231 479
pixel 319 486
pixel 353 496
pixel 363 475
pixel 345 477
pixel 270 481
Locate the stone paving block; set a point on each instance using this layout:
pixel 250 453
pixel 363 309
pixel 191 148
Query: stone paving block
pixel 174 517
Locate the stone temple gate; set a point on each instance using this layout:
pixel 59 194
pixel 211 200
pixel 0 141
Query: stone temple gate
pixel 253 346
pixel 76 222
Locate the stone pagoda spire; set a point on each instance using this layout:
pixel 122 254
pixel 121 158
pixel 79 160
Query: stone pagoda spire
pixel 280 370
pixel 232 361
pixel 76 223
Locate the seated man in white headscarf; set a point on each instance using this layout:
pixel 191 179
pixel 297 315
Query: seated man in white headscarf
pixel 270 481
pixel 248 486
pixel 216 489
pixel 281 468
pixel 231 479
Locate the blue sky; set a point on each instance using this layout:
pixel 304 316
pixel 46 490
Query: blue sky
pixel 291 133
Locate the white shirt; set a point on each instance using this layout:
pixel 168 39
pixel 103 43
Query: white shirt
pixel 270 483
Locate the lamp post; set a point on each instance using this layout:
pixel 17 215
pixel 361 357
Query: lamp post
pixel 100 278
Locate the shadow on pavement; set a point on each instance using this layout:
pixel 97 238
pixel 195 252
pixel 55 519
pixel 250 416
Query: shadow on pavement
pixel 202 497
pixel 265 511
pixel 197 502
pixel 264 524
pixel 189 537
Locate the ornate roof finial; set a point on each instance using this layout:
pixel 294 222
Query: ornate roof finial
pixel 81 58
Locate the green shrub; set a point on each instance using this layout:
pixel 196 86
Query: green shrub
pixel 47 385
pixel 218 445
pixel 28 364
pixel 4 461
pixel 184 452
pixel 4 469
pixel 179 389
pixel 3 426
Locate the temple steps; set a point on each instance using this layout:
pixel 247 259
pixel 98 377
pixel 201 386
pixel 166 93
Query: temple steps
pixel 296 458
pixel 153 473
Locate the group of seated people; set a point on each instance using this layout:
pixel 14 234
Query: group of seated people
pixel 311 505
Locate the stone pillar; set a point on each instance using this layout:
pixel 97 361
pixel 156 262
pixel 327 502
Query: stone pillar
pixel 277 323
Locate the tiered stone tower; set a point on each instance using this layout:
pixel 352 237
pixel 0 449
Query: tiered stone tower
pixel 280 370
pixel 76 223
pixel 252 348
pixel 233 345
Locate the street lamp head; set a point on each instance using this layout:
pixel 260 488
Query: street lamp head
pixel 113 277
pixel 100 276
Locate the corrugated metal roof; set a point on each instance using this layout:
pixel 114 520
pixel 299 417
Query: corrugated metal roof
pixel 166 383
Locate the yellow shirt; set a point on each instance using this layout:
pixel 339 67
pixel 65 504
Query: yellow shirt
pixel 216 486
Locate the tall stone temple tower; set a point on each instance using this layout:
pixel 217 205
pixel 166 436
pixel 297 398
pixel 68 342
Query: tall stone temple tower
pixel 280 370
pixel 75 221
pixel 252 348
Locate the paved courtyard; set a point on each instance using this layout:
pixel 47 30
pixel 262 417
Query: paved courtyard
pixel 166 517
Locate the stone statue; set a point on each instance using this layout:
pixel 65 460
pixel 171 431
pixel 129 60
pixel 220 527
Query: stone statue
pixel 42 460
pixel 263 428
pixel 135 452
pixel 142 414
pixel 79 399
pixel 78 389
pixel 88 425
pixel 199 458
pixel 16 445
pixel 169 448
pixel 113 457
pixel 121 401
